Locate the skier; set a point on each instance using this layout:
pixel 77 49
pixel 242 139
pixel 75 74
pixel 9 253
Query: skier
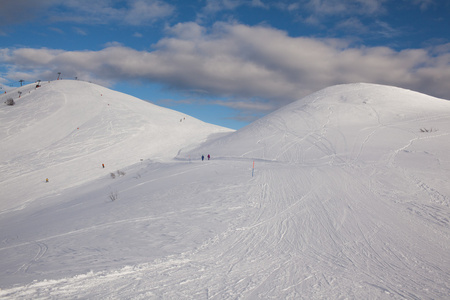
pixel 203 157
pixel 209 157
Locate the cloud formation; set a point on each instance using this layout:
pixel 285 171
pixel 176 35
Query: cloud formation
pixel 242 61
pixel 128 12
pixel 140 12
pixel 15 12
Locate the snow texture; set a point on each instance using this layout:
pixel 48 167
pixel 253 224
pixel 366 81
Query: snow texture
pixel 348 198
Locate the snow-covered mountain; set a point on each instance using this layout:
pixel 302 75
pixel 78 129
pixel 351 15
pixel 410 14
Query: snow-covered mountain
pixel 341 195
pixel 66 130
pixel 342 124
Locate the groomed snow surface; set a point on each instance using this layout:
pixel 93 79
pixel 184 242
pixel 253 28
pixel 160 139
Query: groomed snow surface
pixel 348 199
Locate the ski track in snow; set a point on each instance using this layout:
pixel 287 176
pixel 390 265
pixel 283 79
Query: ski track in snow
pixel 41 252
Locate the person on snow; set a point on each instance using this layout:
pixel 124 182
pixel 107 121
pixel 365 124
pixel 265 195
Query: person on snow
pixel 209 157
pixel 203 157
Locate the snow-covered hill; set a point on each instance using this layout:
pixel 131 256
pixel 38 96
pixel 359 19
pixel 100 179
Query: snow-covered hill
pixel 66 130
pixel 348 199
pixel 342 124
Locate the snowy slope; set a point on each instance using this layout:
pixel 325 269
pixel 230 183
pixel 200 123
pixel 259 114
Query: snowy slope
pixel 66 130
pixel 342 123
pixel 349 199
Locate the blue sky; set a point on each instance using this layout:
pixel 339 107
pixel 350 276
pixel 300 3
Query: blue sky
pixel 227 62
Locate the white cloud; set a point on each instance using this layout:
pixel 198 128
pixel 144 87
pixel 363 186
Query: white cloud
pixel 141 12
pixel 245 63
pixel 187 31
pixel 113 44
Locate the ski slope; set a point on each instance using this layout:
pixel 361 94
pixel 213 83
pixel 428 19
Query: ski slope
pixel 348 200
pixel 66 130
pixel 342 124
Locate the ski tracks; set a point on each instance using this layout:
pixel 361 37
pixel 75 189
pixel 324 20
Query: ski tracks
pixel 290 241
pixel 42 249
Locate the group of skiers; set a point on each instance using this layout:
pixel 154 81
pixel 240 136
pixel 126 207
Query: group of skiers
pixel 203 157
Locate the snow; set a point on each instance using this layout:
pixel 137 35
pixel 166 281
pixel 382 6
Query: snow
pixel 348 200
pixel 66 130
